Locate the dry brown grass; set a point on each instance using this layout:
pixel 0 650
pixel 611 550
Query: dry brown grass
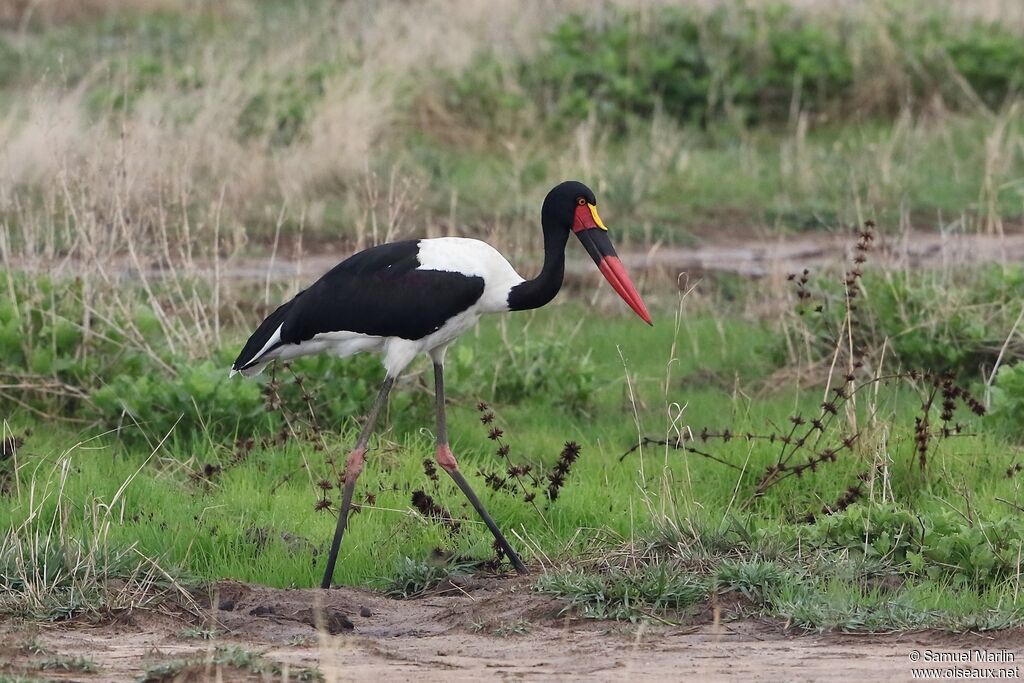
pixel 47 140
pixel 21 14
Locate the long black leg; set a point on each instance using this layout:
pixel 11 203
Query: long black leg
pixel 447 461
pixel 353 467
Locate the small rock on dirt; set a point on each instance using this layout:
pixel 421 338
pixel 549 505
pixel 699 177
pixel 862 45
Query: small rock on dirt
pixel 365 612
pixel 338 622
pixel 333 620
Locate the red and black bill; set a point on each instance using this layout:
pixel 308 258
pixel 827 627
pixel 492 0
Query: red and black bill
pixel 594 236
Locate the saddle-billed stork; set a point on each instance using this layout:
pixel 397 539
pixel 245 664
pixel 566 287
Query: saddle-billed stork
pixel 417 296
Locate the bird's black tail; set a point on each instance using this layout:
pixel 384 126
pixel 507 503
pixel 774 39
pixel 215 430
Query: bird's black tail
pixel 262 341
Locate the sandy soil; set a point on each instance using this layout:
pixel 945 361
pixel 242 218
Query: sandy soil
pixel 488 629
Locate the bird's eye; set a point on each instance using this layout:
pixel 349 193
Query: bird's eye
pixel 581 201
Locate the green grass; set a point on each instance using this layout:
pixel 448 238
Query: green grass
pixel 667 184
pixel 233 528
pixel 255 521
pixel 620 594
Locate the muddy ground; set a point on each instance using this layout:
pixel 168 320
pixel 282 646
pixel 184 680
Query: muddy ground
pixel 485 629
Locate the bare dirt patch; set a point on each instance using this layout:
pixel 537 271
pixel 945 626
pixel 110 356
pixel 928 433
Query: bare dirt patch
pixel 748 255
pixel 486 629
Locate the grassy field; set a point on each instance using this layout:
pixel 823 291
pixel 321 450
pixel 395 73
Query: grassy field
pixel 659 528
pixel 840 449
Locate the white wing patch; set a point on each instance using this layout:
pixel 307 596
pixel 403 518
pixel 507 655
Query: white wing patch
pixel 274 338
pixel 475 259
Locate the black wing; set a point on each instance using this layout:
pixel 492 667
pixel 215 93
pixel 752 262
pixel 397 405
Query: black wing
pixel 377 291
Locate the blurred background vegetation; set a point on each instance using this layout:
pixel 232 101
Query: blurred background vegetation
pixel 357 121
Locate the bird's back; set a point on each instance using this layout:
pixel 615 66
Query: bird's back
pixel 406 289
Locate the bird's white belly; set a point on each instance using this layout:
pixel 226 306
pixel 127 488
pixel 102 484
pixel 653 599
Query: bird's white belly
pixel 346 343
pixel 340 344
pixel 398 352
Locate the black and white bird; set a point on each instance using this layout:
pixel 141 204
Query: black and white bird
pixel 407 298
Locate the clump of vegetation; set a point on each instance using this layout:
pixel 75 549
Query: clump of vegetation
pixel 280 111
pixel 415 578
pixel 942 546
pixel 199 633
pixel 755 579
pixel 77 663
pixel 850 571
pixel 948 323
pixel 51 570
pixel 1008 400
pixel 539 362
pixel 503 629
pixel 832 431
pixel 746 65
pixel 647 592
pixel 221 658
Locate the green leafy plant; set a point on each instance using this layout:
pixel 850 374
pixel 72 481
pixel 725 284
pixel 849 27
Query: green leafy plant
pixel 941 546
pixel 280 110
pixel 542 367
pixel 636 594
pixel 738 63
pixel 1007 411
pixel 414 578
pixel 755 579
pixel 67 663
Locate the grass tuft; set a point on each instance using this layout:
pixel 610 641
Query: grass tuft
pixel 637 594
pixel 221 658
pixel 67 663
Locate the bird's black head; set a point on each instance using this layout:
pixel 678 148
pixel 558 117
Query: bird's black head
pixel 559 209
pixel 571 206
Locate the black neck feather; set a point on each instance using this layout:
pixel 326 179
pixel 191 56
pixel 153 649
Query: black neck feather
pixel 543 288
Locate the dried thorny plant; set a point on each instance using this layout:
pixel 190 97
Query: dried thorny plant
pixel 518 480
pixel 812 442
pixel 297 416
pixel 521 479
pixel 301 425
pixel 429 508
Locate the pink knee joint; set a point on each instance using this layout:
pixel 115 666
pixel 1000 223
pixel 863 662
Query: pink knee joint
pixel 445 458
pixel 354 465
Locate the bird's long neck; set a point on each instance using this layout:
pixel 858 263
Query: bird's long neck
pixel 543 288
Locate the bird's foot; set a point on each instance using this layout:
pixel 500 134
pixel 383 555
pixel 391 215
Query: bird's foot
pixel 445 459
pixel 354 464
